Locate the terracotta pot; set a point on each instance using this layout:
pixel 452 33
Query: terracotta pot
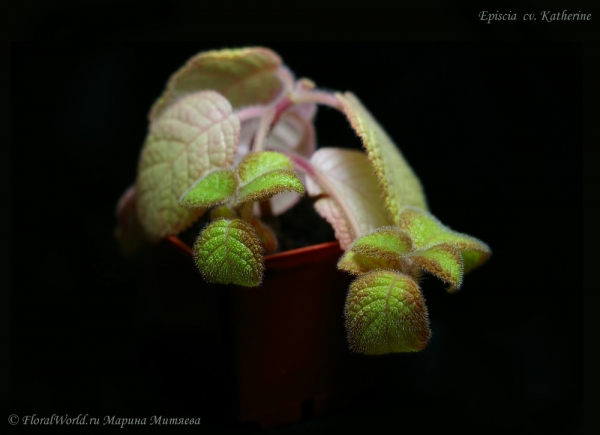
pixel 276 353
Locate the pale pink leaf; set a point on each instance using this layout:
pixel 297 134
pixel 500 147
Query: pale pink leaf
pixel 196 134
pixel 245 76
pixel 353 203
pixel 329 210
pixel 294 133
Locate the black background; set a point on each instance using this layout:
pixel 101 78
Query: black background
pixel 493 130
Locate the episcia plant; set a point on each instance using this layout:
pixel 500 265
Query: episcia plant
pixel 233 134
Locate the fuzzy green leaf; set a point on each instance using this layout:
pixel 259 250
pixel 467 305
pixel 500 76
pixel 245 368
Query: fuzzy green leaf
pixel 212 189
pixel 269 185
pixel 385 312
pixel 230 252
pixel 354 205
pixel 385 243
pixel 256 164
pixel 383 248
pixel 427 231
pixel 357 264
pixel 443 261
pixel 193 136
pixel 400 185
pixel 265 174
pixel 244 76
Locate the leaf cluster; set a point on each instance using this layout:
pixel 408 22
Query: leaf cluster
pixel 230 249
pixel 389 262
pixel 234 128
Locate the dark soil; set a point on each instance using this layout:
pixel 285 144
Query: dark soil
pixel 298 227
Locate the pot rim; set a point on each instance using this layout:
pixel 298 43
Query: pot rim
pixel 276 261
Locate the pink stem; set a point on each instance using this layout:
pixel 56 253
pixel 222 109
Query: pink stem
pixel 250 112
pixel 319 97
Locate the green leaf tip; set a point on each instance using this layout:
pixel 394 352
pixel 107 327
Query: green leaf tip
pixel 442 261
pixel 264 174
pixel 256 164
pixel 422 245
pixel 385 313
pixel 213 189
pixel 230 252
pixel 269 185
pixel 427 231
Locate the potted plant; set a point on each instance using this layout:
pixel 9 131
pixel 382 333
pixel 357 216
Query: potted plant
pixel 231 145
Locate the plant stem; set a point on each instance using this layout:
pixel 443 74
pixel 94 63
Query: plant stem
pixel 319 97
pixel 265 210
pixel 245 211
pixel 269 115
pixel 263 129
pixel 286 77
pixel 250 112
pixel 305 97
pixel 281 107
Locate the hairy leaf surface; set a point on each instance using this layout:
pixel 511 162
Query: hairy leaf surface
pixel 230 252
pixel 385 312
pixel 443 261
pixel 265 174
pixel 427 231
pixel 384 242
pixel 212 189
pixel 357 264
pixel 257 164
pixel 400 185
